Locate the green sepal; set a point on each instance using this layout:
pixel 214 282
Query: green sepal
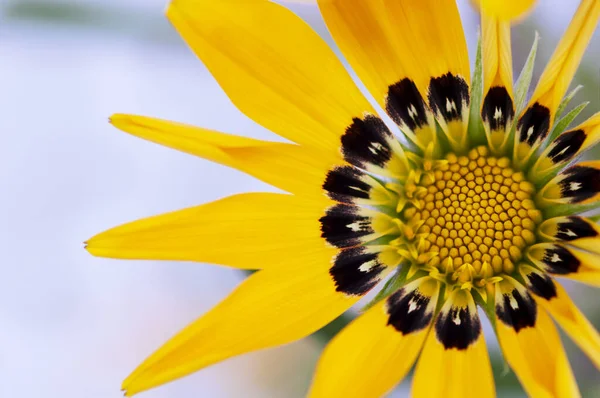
pixel 565 102
pixel 567 209
pixel 488 306
pixel 524 80
pixel 565 121
pixel 395 282
pixel 595 218
pixel 476 130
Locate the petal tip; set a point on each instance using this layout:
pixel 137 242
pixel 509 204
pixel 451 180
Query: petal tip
pixel 507 10
pixel 119 119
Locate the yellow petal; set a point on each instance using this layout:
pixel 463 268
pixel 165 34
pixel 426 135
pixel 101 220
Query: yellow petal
pixel 270 308
pixel 587 276
pixel 455 362
pixel 575 324
pixel 579 184
pixel 568 146
pixel 566 262
pixel 537 119
pixel 372 354
pixel 505 9
pixel 576 265
pixel 498 109
pixel 273 67
pixel 579 232
pixel 396 48
pixel 271 162
pixel 497 54
pixel 563 64
pixel 249 231
pixel 531 344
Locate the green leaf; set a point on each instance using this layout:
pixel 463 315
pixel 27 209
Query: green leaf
pixel 476 131
pixel 524 80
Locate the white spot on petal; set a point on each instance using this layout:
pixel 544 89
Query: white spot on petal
pixel 366 267
pixel 412 305
pixel 555 258
pixel 563 151
pixel 354 227
pixel 529 132
pixel 375 147
pixel 456 319
pixel 450 105
pixel 412 111
pixel 356 188
pixel 497 114
pixel 574 186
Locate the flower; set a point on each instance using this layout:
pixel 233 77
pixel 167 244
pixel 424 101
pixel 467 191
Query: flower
pixel 475 204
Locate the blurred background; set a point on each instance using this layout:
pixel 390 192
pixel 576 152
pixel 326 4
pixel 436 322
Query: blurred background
pixel 74 326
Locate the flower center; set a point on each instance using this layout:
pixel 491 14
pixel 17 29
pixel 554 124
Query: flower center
pixel 477 210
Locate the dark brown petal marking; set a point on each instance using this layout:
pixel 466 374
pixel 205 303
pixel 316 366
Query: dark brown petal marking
pixel 566 145
pixel 575 228
pixel 405 105
pixel 541 285
pixel 534 124
pixel 517 310
pixel 366 141
pixel 446 96
pixel 458 328
pixel 344 183
pixel 559 260
pixel 342 226
pixel 498 109
pixel 409 311
pixel 581 183
pixel 355 271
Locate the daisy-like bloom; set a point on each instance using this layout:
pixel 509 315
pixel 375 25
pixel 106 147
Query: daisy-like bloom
pixel 479 202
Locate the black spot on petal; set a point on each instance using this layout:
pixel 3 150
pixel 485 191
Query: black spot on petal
pixel 355 271
pixel 566 146
pixel 405 105
pixel 559 260
pixel 575 228
pixel 366 141
pixel 534 124
pixel 344 184
pixel 498 109
pixel 457 328
pixel 541 285
pixel 581 183
pixel 517 310
pixel 447 94
pixel 409 311
pixel 342 226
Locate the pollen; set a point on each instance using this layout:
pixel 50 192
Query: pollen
pixel 477 211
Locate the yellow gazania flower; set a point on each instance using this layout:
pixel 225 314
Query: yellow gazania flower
pixel 476 205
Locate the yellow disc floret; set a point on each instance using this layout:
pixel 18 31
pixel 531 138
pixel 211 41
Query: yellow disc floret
pixel 478 210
